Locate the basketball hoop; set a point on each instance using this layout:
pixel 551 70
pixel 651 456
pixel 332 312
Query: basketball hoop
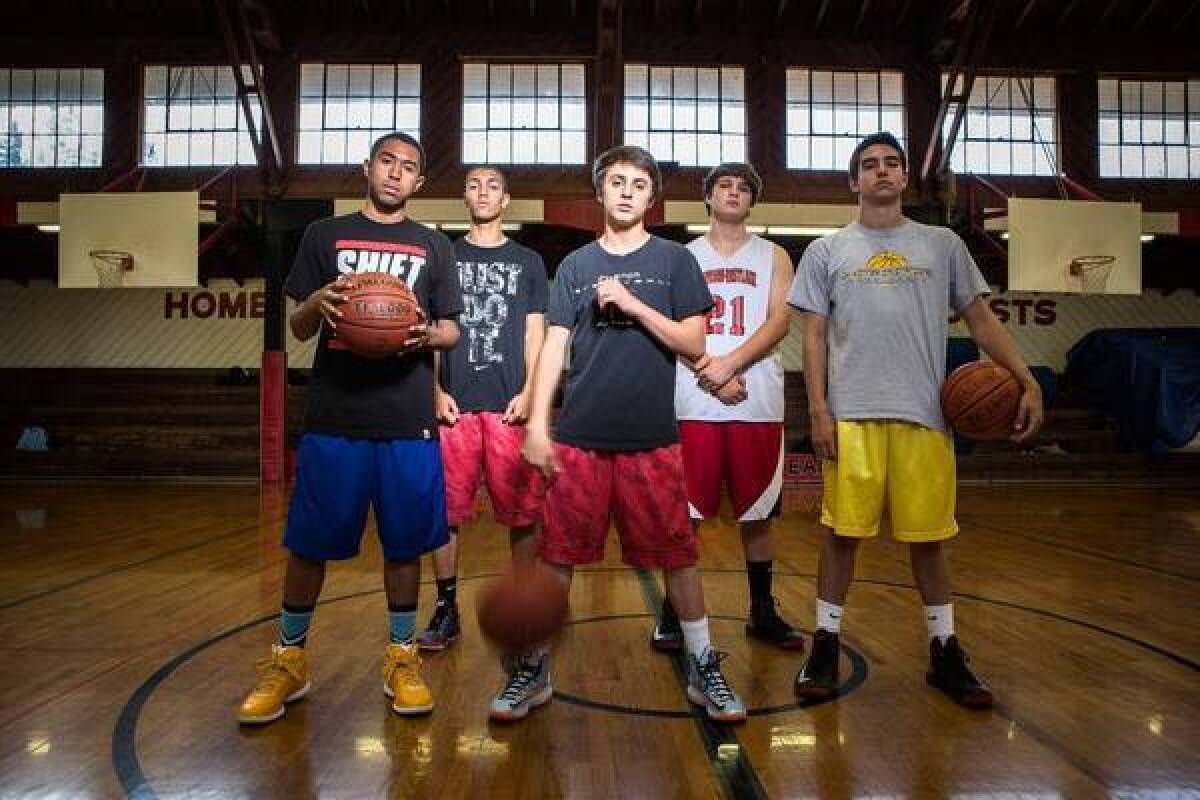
pixel 111 266
pixel 1092 271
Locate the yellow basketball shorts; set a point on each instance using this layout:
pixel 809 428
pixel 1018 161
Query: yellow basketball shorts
pixel 908 464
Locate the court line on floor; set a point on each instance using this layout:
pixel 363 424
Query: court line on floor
pixel 1156 649
pixel 7 604
pixel 736 774
pixel 858 675
pixel 133 780
pixel 1080 550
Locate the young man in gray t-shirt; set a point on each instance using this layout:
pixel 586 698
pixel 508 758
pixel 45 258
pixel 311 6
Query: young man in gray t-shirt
pixel 874 299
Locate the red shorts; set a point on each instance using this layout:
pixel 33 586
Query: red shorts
pixel 641 491
pixel 748 456
pixel 479 445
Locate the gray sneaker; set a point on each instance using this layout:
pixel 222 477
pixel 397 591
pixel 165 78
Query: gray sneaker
pixel 707 688
pixel 527 688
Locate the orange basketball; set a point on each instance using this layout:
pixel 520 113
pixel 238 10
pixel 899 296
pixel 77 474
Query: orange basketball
pixel 377 314
pixel 520 610
pixel 980 400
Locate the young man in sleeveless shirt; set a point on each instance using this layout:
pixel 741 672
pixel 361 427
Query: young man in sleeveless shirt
pixel 730 402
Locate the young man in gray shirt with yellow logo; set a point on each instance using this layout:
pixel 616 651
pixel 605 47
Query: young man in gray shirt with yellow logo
pixel 874 298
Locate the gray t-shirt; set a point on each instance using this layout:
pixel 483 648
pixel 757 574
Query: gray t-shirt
pixel 887 294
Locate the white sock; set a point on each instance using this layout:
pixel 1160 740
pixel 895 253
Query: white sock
pixel 695 635
pixel 940 621
pixel 829 616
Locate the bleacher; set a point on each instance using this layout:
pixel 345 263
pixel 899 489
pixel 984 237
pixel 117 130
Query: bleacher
pixel 199 425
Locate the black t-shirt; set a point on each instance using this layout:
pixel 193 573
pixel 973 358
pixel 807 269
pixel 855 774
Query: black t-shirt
pixel 501 285
pixel 620 390
pixel 367 398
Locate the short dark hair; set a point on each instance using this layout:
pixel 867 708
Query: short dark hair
pixel 883 137
pixel 499 174
pixel 737 169
pixel 408 139
pixel 626 154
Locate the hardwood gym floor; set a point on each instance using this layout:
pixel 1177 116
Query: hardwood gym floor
pixel 131 616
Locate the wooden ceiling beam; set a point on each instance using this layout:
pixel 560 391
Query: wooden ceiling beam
pixel 1024 15
pixel 863 10
pixel 1153 4
pixel 1062 18
pixel 1108 10
pixel 821 12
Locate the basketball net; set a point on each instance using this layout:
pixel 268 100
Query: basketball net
pixel 1092 271
pixel 111 266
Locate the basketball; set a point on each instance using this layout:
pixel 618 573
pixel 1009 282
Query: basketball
pixel 518 611
pixel 980 400
pixel 377 315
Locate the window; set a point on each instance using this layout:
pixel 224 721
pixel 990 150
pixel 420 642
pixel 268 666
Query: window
pixel 695 116
pixel 523 114
pixel 51 117
pixel 192 118
pixel 829 112
pixel 346 107
pixel 1008 128
pixel 1149 129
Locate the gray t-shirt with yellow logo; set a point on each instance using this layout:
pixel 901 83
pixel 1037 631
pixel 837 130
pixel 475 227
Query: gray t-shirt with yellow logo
pixel 887 294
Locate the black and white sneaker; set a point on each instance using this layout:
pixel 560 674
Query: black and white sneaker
pixel 949 672
pixel 443 629
pixel 818 678
pixel 766 625
pixel 667 636
pixel 708 688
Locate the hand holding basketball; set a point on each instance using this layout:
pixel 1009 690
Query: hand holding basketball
pixel 418 333
pixel 1030 414
pixel 327 299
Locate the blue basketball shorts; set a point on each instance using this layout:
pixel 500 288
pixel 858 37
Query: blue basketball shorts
pixel 338 479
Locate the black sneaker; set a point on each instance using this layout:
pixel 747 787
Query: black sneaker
pixel 949 672
pixel 818 678
pixel 766 624
pixel 667 636
pixel 443 628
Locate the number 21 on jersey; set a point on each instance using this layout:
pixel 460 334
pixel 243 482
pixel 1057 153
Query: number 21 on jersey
pixel 715 322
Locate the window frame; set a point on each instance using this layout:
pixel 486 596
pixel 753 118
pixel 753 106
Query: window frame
pixel 527 102
pixel 90 80
pixel 799 107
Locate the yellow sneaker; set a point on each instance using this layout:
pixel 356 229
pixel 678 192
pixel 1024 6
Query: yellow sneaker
pixel 282 678
pixel 402 680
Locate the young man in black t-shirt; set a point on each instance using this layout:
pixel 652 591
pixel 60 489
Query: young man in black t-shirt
pixel 484 390
pixel 629 302
pixel 370 433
